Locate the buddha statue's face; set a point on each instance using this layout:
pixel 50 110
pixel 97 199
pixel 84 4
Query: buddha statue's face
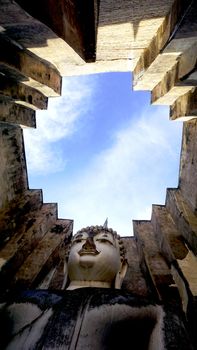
pixel 94 257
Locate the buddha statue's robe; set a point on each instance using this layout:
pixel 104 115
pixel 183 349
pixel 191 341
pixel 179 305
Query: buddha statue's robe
pixel 89 318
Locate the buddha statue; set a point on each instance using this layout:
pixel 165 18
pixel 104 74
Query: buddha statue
pixel 92 312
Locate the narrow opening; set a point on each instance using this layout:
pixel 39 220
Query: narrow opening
pixel 101 150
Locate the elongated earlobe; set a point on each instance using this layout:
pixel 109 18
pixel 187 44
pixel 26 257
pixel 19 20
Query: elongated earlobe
pixel 121 274
pixel 65 281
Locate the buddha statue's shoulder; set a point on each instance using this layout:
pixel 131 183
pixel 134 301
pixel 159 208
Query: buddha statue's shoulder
pixel 18 310
pixel 43 299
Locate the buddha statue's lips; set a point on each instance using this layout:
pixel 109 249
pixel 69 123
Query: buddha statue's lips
pixel 88 252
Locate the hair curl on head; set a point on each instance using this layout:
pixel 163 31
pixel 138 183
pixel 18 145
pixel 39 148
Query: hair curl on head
pixel 97 229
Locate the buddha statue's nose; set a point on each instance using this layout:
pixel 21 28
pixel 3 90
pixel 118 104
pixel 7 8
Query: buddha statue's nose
pixel 89 244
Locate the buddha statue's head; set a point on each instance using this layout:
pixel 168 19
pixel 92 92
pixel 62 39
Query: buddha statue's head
pixel 96 259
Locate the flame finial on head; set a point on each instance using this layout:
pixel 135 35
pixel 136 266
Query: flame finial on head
pixel 105 225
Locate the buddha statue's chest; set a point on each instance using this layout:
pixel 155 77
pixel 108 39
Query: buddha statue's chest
pixel 96 321
pixel 89 318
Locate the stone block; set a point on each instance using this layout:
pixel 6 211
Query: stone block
pixel 169 239
pixel 134 279
pixel 15 85
pixel 73 21
pixel 18 215
pixel 183 216
pixel 188 162
pixel 27 63
pixel 45 256
pixel 156 264
pixel 13 172
pixel 23 243
pixel 185 105
pixel 17 112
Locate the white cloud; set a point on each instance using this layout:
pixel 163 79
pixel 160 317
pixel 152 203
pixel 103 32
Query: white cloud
pixel 61 120
pixel 122 182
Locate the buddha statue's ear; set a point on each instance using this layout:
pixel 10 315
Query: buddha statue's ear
pixel 65 281
pixel 121 274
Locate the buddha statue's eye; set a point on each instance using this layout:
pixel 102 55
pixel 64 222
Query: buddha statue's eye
pixel 77 240
pixel 104 240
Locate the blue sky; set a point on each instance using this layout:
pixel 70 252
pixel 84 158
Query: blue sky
pixel 101 150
